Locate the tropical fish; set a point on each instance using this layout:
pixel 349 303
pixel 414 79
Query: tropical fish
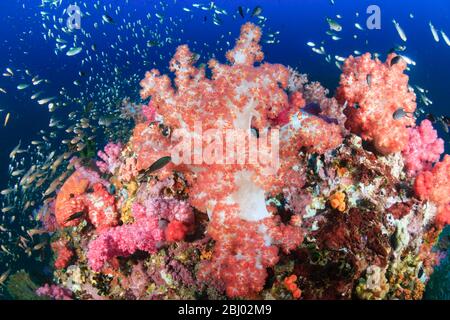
pixel 158 164
pixel 75 216
pixel 22 86
pixel 4 276
pixel 400 113
pixel 74 51
pixel 334 25
pixel 241 11
pixel 107 19
pixel 434 32
pixel 445 37
pixel 400 31
pixel 256 11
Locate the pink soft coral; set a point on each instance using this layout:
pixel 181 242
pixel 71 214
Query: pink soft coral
pixel 109 158
pixel 244 250
pixel 54 292
pixel 145 234
pixel 373 91
pixel 101 208
pixel 149 112
pixel 434 185
pixel 63 253
pixel 424 148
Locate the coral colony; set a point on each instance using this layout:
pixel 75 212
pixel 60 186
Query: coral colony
pixel 253 183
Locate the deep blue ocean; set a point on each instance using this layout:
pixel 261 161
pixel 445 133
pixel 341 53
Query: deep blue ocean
pixel 293 23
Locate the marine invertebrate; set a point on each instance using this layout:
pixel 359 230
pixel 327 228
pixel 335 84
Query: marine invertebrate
pixel 149 112
pixel 63 253
pixel 70 199
pixel 145 234
pixel 175 231
pixel 434 185
pixel 373 91
pixel 423 149
pixel 55 292
pixel 374 286
pixel 109 158
pixel 101 207
pixel 289 283
pixel 206 226
pixel 337 201
pixel 74 202
pixel 128 169
pixel 241 96
pixel 20 286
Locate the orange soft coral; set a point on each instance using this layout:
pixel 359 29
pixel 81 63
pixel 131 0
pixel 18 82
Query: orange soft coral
pixel 289 283
pixel 239 96
pixel 373 91
pixel 337 201
pixel 434 185
pixel 74 202
pixel 101 207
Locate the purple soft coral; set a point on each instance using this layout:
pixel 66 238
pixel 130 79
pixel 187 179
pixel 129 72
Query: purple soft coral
pixel 146 233
pixel 55 292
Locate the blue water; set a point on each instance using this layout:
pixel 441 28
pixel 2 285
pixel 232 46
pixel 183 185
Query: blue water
pixel 22 47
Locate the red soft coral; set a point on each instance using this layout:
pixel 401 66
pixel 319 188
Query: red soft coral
pixel 63 253
pixel 434 185
pixel 243 251
pixel 176 231
pixel 373 91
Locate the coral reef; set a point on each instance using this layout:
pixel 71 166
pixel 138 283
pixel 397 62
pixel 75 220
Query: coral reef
pixel 342 202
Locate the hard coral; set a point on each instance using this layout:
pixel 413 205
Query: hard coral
pixel 373 91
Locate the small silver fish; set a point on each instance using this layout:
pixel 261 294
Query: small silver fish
pixel 400 113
